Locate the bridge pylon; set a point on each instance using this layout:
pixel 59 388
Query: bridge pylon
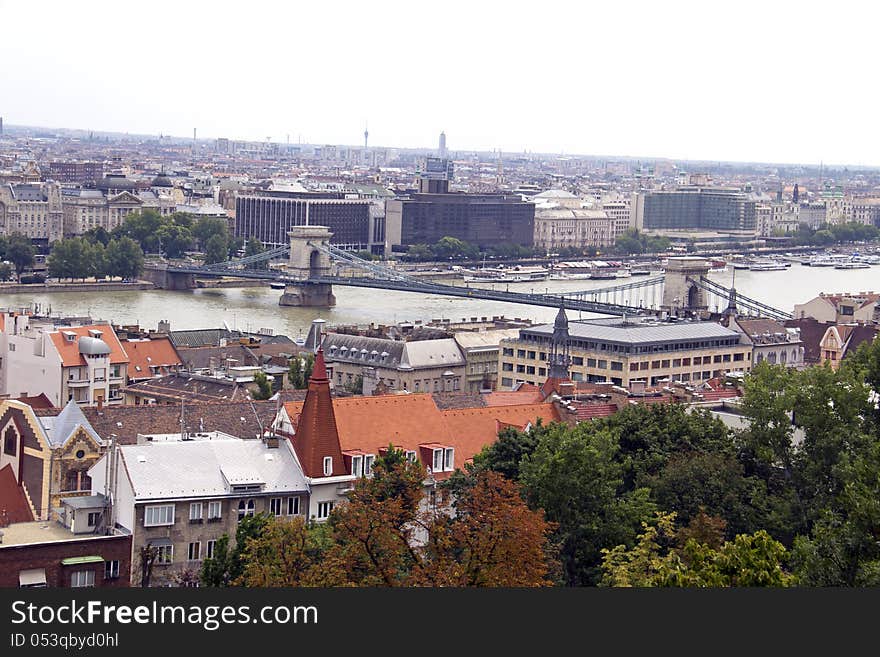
pixel 680 293
pixel 308 262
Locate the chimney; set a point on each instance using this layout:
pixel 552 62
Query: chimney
pixel 100 403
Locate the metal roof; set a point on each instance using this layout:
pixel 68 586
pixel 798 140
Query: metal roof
pixel 619 331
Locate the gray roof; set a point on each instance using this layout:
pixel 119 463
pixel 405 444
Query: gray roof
pixel 346 345
pixel 632 332
pixel 28 192
pixel 168 470
pixel 60 427
pixel 86 502
pixel 93 346
pixel 432 353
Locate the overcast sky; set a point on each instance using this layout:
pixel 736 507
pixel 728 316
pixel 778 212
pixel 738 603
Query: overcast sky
pixel 767 81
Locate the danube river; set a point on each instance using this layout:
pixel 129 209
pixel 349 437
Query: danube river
pixel 251 309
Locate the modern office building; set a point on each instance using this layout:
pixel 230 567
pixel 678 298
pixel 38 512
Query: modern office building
pixel 623 351
pixel 697 208
pixel 269 215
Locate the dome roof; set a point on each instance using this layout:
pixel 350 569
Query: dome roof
pixel 116 182
pixel 93 346
pixel 162 181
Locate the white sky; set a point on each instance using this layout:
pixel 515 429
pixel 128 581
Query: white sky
pixel 772 81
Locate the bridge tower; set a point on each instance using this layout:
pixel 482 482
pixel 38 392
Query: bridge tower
pixel 307 262
pixel 679 293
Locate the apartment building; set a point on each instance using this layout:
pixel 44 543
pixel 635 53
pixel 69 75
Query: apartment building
pixel 84 363
pixel 623 351
pixel 181 493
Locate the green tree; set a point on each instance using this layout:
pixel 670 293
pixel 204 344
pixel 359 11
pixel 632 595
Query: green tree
pixel 208 227
pixel 72 258
pixel 20 252
pixel 6 271
pixel 295 373
pixel 175 240
pixel 264 387
pixel 419 252
pixel 506 453
pixel 124 258
pixel 307 369
pixel 227 565
pixel 452 247
pixel 574 474
pixel 748 560
pixel 216 249
pixel 255 247
pixel 97 234
pixel 142 227
pixel 355 386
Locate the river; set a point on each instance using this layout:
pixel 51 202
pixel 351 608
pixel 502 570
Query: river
pixel 251 309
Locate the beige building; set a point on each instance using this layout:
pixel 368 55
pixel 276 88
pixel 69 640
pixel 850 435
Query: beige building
pixel 558 228
pixel 841 307
pixel 480 349
pixel 414 366
pixel 626 351
pixel 33 209
pixel 771 341
pixel 85 209
pixel 620 213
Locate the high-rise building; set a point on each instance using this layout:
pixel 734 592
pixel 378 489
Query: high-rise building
pixel 442 150
pixel 706 208
pixel 269 215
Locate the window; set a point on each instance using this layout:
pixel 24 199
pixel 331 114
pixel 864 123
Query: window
pixel 195 512
pixel 448 458
pixel 676 362
pixel 718 358
pixel 328 462
pixel 111 569
pixel 655 364
pixel 507 367
pixel 437 466
pixel 531 355
pixel 664 364
pixel 616 366
pixel 164 554
pixel 9 441
pixel 577 360
pixel 94 518
pixel 520 369
pixel 506 382
pixel 245 508
pixel 293 506
pixel 275 506
pixel 209 549
pixel 602 364
pixel 738 357
pixel 324 509
pixel 82 578
pixel 520 353
pixel 213 511
pixel 368 465
pixel 591 362
pixel 506 352
pixel 530 369
pixel 410 456
pixel 357 465
pixel 155 516
pixel 195 551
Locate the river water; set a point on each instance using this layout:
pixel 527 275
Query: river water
pixel 251 309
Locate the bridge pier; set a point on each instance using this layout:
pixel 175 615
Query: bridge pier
pixel 680 293
pixel 163 279
pixel 306 293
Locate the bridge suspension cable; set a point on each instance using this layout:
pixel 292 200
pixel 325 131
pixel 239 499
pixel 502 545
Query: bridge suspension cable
pixel 752 306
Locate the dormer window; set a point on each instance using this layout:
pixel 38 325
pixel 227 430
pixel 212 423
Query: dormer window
pixel 449 458
pixel 410 456
pixel 328 466
pixel 368 465
pixel 437 466
pixel 357 465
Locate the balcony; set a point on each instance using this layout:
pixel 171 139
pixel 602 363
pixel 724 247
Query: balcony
pixel 77 383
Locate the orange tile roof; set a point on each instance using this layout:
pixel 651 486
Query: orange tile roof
pixel 143 354
pixel 69 351
pixel 413 420
pixel 516 398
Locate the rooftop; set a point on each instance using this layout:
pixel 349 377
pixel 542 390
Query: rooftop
pixel 27 533
pixel 638 331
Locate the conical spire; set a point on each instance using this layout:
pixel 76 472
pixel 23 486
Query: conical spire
pixel 317 436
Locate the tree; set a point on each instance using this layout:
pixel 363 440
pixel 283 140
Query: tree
pixel 307 369
pixel 419 252
pixel 216 249
pixel 20 252
pixel 74 258
pixel 147 554
pixel 506 453
pixel 264 387
pixel 6 271
pixel 574 475
pixel 356 385
pixel 97 234
pixel 452 247
pixel 175 240
pixel 142 227
pixel 255 247
pixel 207 227
pixel 124 258
pixel 295 373
pixel 227 564
pixel 748 560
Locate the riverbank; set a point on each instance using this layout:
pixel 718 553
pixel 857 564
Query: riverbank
pixel 44 288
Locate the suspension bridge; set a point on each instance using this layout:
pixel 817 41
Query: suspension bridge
pixel 314 266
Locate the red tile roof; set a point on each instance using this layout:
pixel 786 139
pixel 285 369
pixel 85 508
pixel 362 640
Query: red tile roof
pixel 515 398
pixel 69 351
pixel 316 429
pixel 14 506
pixel 144 354
pixel 592 411
pixel 40 401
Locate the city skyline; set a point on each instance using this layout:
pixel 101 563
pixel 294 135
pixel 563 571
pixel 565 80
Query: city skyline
pixel 632 80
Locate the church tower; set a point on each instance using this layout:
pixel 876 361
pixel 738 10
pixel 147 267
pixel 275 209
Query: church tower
pixel 559 356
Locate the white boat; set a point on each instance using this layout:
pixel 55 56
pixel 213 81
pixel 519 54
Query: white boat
pixel 768 266
pixel 820 262
pixel 852 264
pixel 275 285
